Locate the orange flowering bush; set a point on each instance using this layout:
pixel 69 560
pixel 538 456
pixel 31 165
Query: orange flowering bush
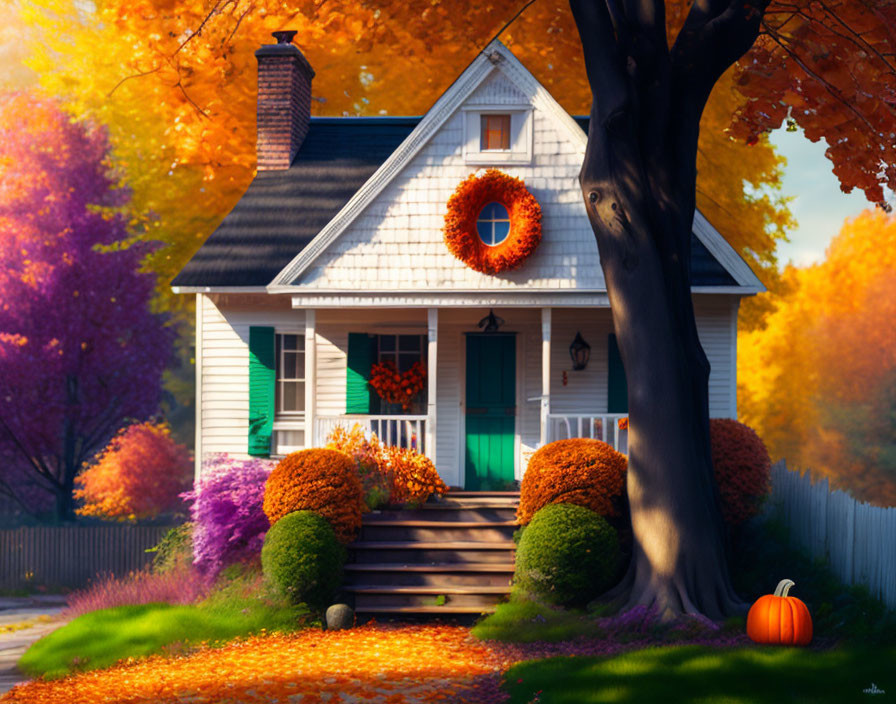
pixel 464 206
pixel 742 468
pixel 623 423
pixel 367 456
pixel 394 387
pixel 578 471
pixel 319 480
pixel 404 474
pixel 139 474
pixel 413 475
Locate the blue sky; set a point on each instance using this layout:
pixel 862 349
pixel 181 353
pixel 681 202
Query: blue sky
pixel 819 206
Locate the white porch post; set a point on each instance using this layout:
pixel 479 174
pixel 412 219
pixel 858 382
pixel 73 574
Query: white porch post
pixel 310 378
pixel 545 372
pixel 432 315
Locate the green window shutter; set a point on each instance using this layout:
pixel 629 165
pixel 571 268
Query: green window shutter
pixel 361 351
pixel 617 387
pixel 262 379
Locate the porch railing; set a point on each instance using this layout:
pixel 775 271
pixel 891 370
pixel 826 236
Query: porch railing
pixel 400 431
pixel 600 426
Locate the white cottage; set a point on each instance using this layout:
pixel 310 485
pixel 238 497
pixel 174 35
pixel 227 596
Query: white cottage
pixel 335 260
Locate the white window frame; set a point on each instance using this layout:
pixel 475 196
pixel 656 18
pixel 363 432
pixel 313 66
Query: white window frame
pixel 287 421
pixel 394 355
pixel 492 222
pixel 521 135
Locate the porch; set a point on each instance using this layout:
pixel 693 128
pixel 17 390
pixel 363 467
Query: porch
pixel 500 383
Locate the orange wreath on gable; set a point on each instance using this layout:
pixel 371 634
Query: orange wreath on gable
pixel 464 208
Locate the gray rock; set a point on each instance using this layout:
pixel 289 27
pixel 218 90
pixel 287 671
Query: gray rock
pixel 339 617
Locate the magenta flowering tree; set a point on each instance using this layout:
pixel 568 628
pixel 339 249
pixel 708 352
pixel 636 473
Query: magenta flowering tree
pixel 81 354
pixel 229 524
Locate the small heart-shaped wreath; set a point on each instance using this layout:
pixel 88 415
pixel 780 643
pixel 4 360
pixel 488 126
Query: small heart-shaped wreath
pixel 393 387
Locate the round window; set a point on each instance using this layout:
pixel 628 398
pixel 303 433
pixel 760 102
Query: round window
pixel 493 224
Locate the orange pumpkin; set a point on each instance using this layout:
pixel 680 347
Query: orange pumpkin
pixel 779 619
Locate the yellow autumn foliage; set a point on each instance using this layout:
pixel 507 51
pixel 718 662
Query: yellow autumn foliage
pixel 819 382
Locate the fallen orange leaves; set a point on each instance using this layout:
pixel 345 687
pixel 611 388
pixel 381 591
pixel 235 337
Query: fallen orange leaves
pixel 389 664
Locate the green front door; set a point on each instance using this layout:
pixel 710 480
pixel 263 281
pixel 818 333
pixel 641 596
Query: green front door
pixel 491 411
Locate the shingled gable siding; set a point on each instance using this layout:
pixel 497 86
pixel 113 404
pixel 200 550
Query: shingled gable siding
pixel 396 243
pixel 224 404
pixel 284 104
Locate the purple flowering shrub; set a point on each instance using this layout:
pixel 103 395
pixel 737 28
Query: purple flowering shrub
pixel 229 524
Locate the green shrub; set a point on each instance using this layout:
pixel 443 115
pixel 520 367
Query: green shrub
pixel 302 558
pixel 174 551
pixel 567 555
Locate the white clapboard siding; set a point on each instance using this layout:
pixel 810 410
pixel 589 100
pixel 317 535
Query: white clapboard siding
pixel 448 401
pixel 717 329
pixel 856 539
pixel 224 401
pixel 586 390
pixel 331 342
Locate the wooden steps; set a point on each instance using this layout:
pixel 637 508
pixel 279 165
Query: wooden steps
pixel 452 556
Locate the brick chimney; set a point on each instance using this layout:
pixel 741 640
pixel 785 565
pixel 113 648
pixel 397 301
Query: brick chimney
pixel 284 102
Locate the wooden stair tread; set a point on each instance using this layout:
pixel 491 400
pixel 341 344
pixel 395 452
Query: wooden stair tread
pixel 466 503
pixel 440 545
pixel 434 567
pixel 446 609
pixel 412 589
pixel 477 494
pixel 439 524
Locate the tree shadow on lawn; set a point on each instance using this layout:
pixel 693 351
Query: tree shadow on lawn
pixel 694 673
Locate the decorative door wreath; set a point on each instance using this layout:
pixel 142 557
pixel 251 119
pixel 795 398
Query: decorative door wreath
pixel 473 201
pixel 394 387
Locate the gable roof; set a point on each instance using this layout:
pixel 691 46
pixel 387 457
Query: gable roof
pixel 282 211
pixel 287 218
pixel 495 57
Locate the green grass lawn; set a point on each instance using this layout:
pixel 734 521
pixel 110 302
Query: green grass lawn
pixel 697 674
pixel 524 621
pixel 101 638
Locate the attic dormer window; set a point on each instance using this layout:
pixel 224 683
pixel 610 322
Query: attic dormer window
pixel 494 132
pixel 498 134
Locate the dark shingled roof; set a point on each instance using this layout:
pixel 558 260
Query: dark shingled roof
pixel 282 211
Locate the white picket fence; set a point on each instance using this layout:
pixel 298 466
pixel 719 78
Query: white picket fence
pixel 857 539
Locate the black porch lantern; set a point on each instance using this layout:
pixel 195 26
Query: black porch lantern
pixel 491 322
pixel 580 351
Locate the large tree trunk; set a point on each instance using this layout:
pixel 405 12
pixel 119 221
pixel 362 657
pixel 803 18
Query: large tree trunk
pixel 639 184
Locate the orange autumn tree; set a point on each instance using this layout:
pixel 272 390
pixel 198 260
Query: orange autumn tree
pixel 819 382
pixel 138 475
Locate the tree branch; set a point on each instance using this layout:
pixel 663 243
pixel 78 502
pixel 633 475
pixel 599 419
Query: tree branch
pixel 512 20
pixel 774 36
pixel 136 75
pixel 198 109
pixel 205 20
